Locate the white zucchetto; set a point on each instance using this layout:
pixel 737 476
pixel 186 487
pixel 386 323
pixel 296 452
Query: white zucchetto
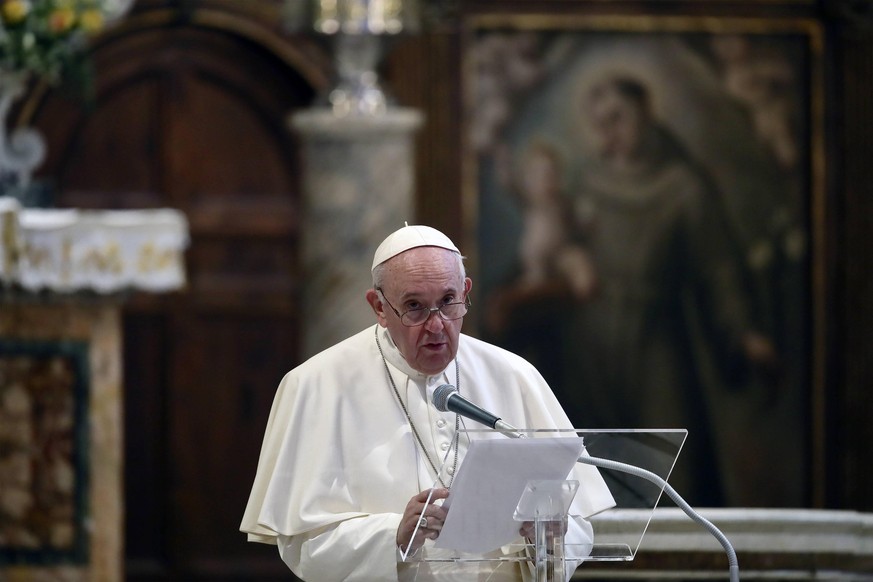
pixel 410 237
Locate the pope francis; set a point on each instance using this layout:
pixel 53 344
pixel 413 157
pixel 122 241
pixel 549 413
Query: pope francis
pixel 354 449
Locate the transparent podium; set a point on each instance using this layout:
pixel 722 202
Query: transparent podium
pixel 550 482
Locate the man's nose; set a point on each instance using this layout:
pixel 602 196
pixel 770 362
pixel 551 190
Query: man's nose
pixel 434 322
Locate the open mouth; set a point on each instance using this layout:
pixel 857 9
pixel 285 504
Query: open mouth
pixel 433 345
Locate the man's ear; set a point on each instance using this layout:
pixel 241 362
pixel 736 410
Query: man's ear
pixel 378 306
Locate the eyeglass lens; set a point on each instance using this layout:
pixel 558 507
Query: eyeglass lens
pixel 448 311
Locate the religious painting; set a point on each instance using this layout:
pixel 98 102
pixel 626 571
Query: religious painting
pixel 43 453
pixel 647 201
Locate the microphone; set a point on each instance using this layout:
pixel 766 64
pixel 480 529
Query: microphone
pixel 446 398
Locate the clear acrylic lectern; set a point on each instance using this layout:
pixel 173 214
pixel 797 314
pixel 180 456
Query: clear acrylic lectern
pixel 555 504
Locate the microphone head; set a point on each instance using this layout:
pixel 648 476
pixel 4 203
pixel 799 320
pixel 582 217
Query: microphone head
pixel 441 396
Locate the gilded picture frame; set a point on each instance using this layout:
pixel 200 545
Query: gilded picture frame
pixel 645 204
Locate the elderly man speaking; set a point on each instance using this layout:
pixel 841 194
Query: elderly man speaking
pixel 353 445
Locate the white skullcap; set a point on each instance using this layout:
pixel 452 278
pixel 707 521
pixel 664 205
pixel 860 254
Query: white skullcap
pixel 410 237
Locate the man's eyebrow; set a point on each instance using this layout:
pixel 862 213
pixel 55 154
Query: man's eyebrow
pixel 416 295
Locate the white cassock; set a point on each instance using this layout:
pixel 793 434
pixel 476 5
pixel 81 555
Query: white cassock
pixel 339 461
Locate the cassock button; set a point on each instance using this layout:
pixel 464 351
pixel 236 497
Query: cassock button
pixel 444 446
pixel 450 470
pixel 441 423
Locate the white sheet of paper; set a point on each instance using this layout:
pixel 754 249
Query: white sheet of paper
pixel 489 484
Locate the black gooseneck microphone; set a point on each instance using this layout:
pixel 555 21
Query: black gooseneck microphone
pixel 446 398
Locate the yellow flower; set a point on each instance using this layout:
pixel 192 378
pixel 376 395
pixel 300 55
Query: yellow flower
pixel 61 20
pixel 92 20
pixel 15 11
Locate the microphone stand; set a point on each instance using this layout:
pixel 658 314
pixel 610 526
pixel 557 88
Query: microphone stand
pixel 683 505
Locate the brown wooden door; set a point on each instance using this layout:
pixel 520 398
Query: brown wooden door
pixel 191 113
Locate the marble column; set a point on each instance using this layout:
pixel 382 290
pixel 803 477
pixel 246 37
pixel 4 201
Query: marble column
pixel 358 188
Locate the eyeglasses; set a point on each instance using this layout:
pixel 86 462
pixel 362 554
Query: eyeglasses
pixel 419 315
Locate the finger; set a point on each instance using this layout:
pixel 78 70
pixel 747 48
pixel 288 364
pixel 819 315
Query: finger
pixel 434 512
pixel 527 529
pixel 419 504
pixel 433 494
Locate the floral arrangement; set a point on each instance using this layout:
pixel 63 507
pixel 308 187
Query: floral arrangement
pixel 47 37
